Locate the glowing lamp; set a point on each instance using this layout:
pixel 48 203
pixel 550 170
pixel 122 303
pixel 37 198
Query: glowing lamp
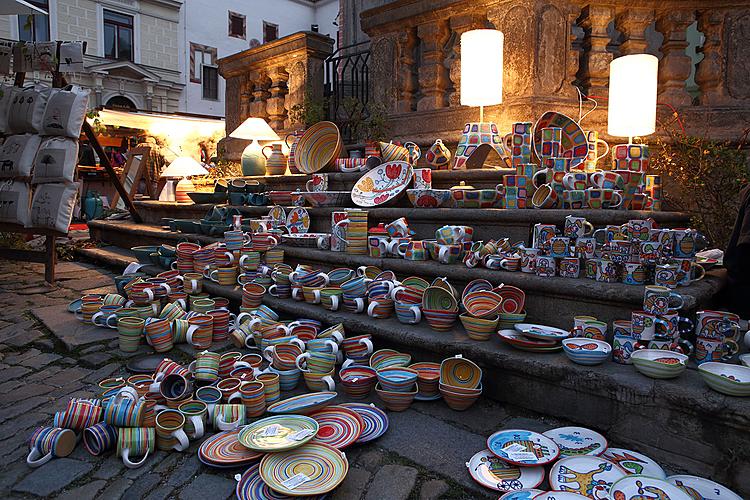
pixel 481 69
pixel 255 130
pixel 632 95
pixel 184 167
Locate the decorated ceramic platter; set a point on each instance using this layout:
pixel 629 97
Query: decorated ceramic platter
pixel 251 487
pixel 382 184
pixel 634 462
pixel 541 332
pixel 375 420
pixel 523 447
pixel 278 433
pixel 225 450
pixel 520 341
pixel 699 488
pixel 637 487
pixel 492 472
pixel 573 144
pixel 559 495
pixel 574 441
pixel 338 426
pixel 277 213
pixel 526 494
pixel 74 306
pixel 304 403
pixel 298 221
pixel 586 475
pixel 313 469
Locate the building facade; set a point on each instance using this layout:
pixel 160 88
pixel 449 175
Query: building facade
pixel 160 55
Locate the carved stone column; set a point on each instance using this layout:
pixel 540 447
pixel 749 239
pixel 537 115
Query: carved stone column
pixel 737 50
pixel 675 66
pixel 433 75
pixel 296 91
pixel 459 25
pixel 260 95
pixel 275 103
pixel 382 65
pixel 594 73
pixel 710 72
pixel 632 22
pixel 246 94
pixel 406 42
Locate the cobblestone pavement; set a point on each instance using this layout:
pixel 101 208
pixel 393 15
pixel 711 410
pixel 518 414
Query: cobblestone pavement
pixel 46 357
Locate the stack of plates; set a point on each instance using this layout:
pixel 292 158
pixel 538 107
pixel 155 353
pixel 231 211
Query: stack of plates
pixel 224 450
pixel 375 420
pixel 520 341
pixel 313 469
pixel 252 487
pixel 338 426
pixel 356 232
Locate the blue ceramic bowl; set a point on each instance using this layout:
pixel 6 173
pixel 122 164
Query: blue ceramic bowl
pixel 585 351
pixel 397 379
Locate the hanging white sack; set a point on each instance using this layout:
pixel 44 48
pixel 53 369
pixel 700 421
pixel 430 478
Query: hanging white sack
pixel 52 206
pixel 6 94
pixel 66 110
pixel 15 197
pixel 27 110
pixel 56 160
pixel 17 155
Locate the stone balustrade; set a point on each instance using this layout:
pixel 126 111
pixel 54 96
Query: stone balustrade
pixel 269 80
pixel 552 47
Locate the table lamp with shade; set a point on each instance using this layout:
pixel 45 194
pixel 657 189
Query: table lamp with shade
pixel 184 167
pixel 481 85
pixel 256 130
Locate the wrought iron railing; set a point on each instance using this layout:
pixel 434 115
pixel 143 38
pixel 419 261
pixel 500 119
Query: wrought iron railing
pixel 347 87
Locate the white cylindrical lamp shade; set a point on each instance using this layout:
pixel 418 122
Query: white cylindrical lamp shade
pixel 481 67
pixel 632 95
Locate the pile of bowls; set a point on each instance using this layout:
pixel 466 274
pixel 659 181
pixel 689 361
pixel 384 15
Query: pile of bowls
pixel 460 382
pixel 659 363
pixel 481 316
pixel 385 358
pixel 397 385
pixel 428 379
pixel 439 308
pixel 585 351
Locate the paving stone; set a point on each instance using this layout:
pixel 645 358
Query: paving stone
pixel 353 486
pixel 24 392
pixel 73 333
pixel 370 459
pixel 15 328
pixel 208 485
pixel 53 476
pixel 109 468
pixel 96 359
pixel 160 493
pixel 116 489
pixel 432 490
pixel 11 474
pixel 393 482
pixel 13 372
pixel 143 485
pixel 88 490
pixel 527 423
pixel 33 290
pixel 93 348
pixel 22 425
pixel 41 361
pixel 44 343
pixel 22 407
pixel 185 472
pixel 169 462
pixel 88 283
pixel 16 358
pixel 153 460
pixel 44 375
pixel 72 267
pixel 102 373
pixel 68 375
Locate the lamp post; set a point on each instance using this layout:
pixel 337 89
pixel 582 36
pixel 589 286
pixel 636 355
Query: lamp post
pixel 184 167
pixel 256 130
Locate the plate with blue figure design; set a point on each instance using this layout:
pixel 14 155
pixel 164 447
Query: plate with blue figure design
pixel 523 447
pixel 576 441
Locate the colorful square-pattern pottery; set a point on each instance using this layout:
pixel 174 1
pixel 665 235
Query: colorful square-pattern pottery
pixel 573 141
pixel 551 141
pixel 633 157
pixel 475 135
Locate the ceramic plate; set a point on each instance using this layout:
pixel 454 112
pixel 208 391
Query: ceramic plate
pixel 559 495
pixel 313 469
pixel 574 441
pixel 375 420
pixel 519 341
pixel 304 403
pixel 587 476
pixel 251 487
pixel 634 462
pixel 574 144
pixel 647 487
pixel 225 449
pixel 522 447
pixel 74 306
pixel 496 474
pixel 699 488
pixel 541 332
pixel 338 426
pixel 277 213
pixel 298 221
pixel 521 494
pixel 279 433
pixel 382 184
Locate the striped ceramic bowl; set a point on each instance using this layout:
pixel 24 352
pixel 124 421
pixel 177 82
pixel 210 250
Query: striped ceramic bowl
pixel 357 381
pixel 585 351
pixel 479 328
pixel 397 401
pixel 441 321
pixel 428 378
pixel 397 379
pixel 318 148
pixel 658 363
pixel 459 401
pixel 482 303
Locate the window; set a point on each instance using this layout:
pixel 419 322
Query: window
pixel 237 25
pixel 210 83
pixel 118 36
pixel 34 28
pixel 270 32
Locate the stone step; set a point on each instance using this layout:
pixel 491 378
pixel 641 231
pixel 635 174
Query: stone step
pixel 679 422
pixel 490 223
pixel 554 301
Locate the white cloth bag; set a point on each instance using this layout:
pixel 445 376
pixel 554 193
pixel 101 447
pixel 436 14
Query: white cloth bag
pixel 17 155
pixel 27 110
pixel 65 112
pixel 55 160
pixel 52 206
pixel 15 197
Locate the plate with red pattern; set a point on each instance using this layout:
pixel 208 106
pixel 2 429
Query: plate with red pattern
pixel 338 426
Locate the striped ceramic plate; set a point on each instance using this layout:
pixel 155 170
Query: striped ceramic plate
pixel 224 449
pixel 304 403
pixel 252 487
pixel 313 469
pixel 278 433
pixel 375 420
pixel 338 426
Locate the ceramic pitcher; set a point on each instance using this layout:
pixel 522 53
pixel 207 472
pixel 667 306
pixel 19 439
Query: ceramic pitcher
pixel 276 161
